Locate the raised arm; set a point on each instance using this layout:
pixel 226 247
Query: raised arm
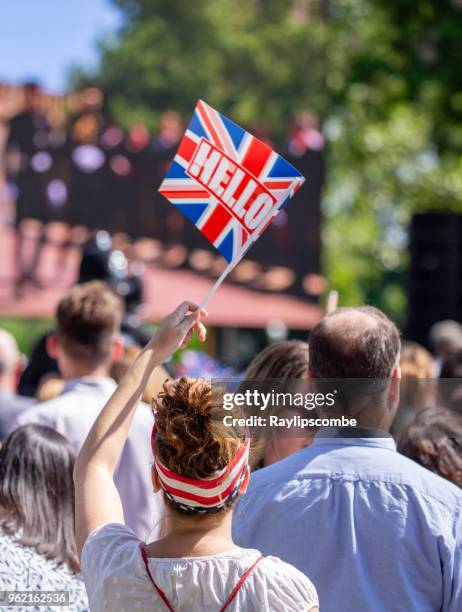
pixel 97 500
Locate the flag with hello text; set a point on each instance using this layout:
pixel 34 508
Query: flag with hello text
pixel 227 182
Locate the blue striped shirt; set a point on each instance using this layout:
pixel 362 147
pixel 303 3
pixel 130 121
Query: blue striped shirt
pixel 373 530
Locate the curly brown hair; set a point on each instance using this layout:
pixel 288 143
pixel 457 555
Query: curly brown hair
pixel 434 439
pixel 188 440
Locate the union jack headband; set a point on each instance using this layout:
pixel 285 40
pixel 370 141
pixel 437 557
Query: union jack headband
pixel 206 494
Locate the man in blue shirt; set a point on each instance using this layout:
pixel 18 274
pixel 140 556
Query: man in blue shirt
pixel 373 530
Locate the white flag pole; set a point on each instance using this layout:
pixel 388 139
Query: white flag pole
pixel 332 301
pixel 232 264
pixel 229 268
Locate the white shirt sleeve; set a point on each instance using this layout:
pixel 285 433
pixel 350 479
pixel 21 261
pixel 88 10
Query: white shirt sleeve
pixel 109 552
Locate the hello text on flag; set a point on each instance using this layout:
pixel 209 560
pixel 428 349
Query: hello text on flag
pixel 232 185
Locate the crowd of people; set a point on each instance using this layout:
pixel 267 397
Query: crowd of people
pixel 124 507
pixel 117 487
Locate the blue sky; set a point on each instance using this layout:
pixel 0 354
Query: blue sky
pixel 41 39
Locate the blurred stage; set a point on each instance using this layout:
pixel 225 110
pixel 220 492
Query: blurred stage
pixel 164 286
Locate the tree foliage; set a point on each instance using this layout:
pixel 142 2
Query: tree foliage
pixel 385 78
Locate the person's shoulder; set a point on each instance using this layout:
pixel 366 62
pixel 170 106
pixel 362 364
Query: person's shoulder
pixel 111 534
pixel 20 402
pixel 111 557
pixel 19 556
pixel 382 469
pixel 281 471
pixel 40 411
pixel 107 546
pixel 285 571
pixel 23 567
pixel 423 481
pixel 265 485
pixel 23 403
pixel 11 407
pixel 6 544
pixel 292 586
pixel 26 417
pixel 15 560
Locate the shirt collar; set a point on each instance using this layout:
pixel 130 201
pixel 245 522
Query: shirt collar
pixel 355 436
pixel 90 385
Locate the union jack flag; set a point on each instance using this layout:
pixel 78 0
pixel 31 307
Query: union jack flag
pixel 227 182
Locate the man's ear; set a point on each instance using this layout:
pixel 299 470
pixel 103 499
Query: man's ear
pixel 117 349
pixel 245 482
pixel 394 387
pixel 310 380
pixel 52 345
pixel 18 370
pixel 155 480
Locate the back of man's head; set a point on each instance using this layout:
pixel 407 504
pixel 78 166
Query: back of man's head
pixel 354 343
pixel 88 320
pixel 9 354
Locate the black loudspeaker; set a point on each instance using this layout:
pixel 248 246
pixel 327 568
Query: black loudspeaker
pixel 435 275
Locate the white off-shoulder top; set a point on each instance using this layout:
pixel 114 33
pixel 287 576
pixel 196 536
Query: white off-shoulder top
pixel 116 579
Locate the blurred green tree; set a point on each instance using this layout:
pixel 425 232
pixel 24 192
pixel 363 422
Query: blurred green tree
pixel 253 59
pixel 385 78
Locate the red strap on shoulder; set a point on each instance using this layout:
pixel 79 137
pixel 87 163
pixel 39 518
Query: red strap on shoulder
pixel 238 586
pixel 233 594
pixel 158 589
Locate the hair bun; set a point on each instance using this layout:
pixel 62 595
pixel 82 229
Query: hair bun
pixel 186 442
